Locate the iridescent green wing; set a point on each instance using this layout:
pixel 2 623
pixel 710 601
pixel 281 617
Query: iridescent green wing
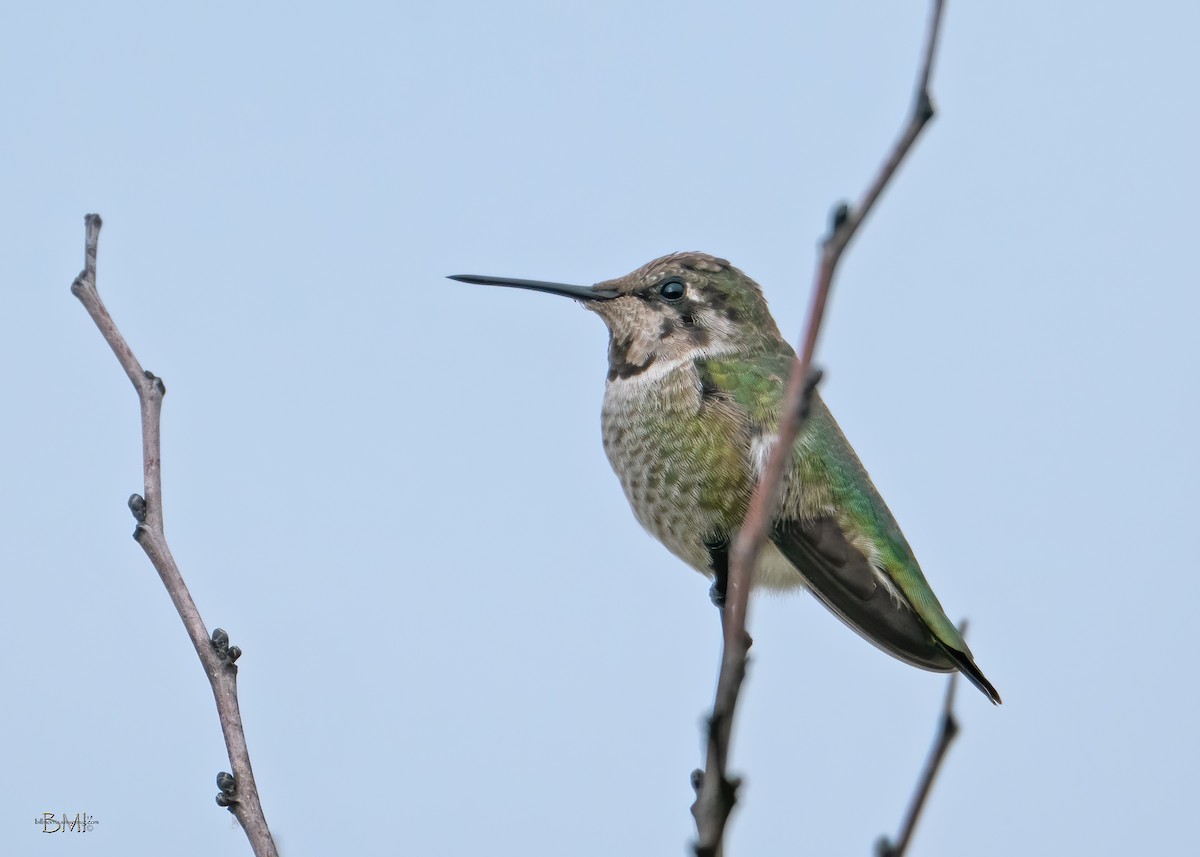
pixel 836 529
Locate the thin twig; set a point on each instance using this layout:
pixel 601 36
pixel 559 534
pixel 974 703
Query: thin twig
pixel 715 792
pixel 238 793
pixel 947 731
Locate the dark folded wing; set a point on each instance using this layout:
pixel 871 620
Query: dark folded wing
pixel 844 580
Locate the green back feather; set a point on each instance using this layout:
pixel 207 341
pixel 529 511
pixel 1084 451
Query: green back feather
pixel 831 476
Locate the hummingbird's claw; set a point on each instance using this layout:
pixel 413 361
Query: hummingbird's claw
pixel 718 561
pixel 717 593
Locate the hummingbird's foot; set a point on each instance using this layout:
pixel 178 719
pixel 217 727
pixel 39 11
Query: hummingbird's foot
pixel 718 561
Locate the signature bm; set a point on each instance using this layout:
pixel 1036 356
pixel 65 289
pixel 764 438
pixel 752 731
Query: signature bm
pixel 81 823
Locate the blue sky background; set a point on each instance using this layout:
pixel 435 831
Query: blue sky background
pixel 390 488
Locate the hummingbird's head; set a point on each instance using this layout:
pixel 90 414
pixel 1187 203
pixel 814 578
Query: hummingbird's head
pixel 685 305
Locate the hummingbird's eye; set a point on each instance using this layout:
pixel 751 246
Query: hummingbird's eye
pixel 672 290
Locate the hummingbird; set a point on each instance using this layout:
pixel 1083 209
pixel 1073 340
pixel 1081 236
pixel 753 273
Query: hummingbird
pixel 697 371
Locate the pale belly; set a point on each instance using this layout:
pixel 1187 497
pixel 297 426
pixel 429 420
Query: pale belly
pixel 686 482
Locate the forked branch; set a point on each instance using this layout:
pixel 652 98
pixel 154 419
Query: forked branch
pixel 716 793
pixel 237 792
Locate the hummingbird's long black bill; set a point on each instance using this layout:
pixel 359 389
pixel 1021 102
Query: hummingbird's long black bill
pixel 579 293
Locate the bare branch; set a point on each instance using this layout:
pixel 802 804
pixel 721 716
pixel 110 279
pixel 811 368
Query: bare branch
pixel 715 792
pixel 237 792
pixel 947 731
